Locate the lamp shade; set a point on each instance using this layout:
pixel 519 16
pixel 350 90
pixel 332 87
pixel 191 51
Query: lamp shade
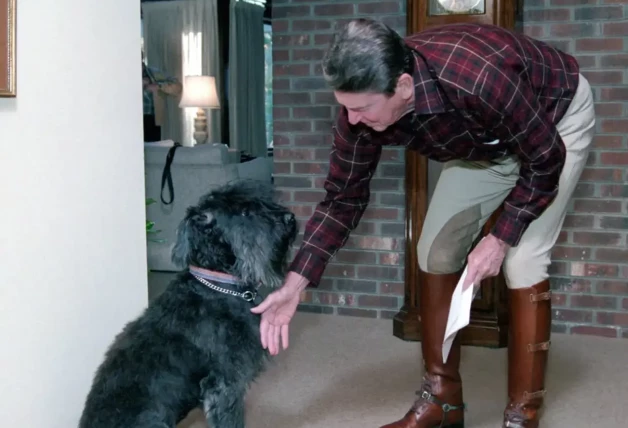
pixel 200 92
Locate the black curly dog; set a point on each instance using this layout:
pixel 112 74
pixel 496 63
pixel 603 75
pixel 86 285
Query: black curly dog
pixel 196 345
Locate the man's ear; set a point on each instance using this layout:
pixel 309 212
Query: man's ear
pixel 405 86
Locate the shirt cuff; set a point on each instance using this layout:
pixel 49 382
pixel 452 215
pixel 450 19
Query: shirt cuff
pixel 309 266
pixel 509 229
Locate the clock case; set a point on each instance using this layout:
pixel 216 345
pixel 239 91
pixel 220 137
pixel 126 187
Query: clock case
pixel 488 325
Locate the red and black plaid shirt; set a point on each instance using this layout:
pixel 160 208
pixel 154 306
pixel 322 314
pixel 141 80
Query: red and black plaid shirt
pixel 507 87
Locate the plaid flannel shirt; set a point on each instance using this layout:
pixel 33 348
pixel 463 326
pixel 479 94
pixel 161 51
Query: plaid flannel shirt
pixel 506 86
pixel 158 77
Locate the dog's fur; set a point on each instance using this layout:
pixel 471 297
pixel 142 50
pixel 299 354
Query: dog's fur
pixel 194 346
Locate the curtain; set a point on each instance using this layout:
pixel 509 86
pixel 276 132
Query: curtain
pixel 181 39
pixel 247 124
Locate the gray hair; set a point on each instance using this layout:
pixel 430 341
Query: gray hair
pixel 366 56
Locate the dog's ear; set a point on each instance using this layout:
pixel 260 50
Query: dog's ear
pixel 181 249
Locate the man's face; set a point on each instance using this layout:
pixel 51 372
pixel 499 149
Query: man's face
pixel 378 111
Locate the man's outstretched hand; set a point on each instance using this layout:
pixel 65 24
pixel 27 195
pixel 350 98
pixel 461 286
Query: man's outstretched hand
pixel 277 310
pixel 485 260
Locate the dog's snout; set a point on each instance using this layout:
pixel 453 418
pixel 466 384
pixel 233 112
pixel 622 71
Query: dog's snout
pixel 288 218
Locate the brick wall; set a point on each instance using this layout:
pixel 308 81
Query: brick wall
pixel 366 278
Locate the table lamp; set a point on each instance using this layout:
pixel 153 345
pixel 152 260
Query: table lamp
pixel 200 92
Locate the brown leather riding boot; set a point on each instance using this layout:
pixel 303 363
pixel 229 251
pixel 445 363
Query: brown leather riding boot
pixel 440 398
pixel 529 342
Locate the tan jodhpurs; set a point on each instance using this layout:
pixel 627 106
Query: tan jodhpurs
pixel 467 193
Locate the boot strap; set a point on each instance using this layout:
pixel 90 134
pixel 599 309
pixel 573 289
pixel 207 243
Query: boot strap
pixel 540 297
pixel 543 346
pixel 431 398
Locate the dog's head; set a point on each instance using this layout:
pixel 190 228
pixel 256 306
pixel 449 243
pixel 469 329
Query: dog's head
pixel 240 229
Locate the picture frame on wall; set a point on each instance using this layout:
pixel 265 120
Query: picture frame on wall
pixel 7 48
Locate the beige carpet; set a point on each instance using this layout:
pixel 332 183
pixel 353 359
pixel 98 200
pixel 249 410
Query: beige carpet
pixel 353 373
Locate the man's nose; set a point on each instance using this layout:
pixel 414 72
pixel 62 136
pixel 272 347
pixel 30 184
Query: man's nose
pixel 353 117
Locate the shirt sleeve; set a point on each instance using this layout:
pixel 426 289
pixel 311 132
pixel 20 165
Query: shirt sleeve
pixel 508 106
pixel 352 162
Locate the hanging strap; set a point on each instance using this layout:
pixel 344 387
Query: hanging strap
pixel 166 175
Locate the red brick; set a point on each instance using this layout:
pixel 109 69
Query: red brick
pixel 302 210
pixel 281 113
pixel 571 315
pixel 614 60
pixel 614 158
pixel 281 55
pixel 356 286
pixel 534 31
pixel 381 214
pixel 592 302
pixel 594 269
pixel 611 287
pixel 571 285
pixel 578 221
pixel 394 259
pixel 594 331
pixel 294 154
pixel 336 9
pixel 625 304
pixel 382 7
pixel 310 168
pixel 577 29
pixel 598 12
pixel 559 299
pixel 614 94
pixel 614 125
pixel 325 298
pixel 281 167
pixel 284 40
pixel 572 2
pixel 546 15
pixel 354 312
pixel 611 255
pixel 613 318
pixel 375 243
pixel 308 84
pixel 282 12
pixel 314 112
pixel 281 140
pixel 396 288
pixel 584 190
pixel 292 126
pixel 609 109
pixel 608 222
pixel 314 196
pixel 291 70
pixel 280 85
pixel 373 301
pixel 338 270
pixel 596 238
pixel 619 29
pixel 586 61
pixel 307 54
pixel 597 206
pixel 322 39
pixel 313 139
pixel 291 98
pixel 353 256
pixel 303 25
pixel 614 190
pixel 365 228
pixel 608 141
pixel 599 45
pixel 570 253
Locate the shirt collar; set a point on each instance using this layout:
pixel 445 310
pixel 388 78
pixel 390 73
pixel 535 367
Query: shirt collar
pixel 427 99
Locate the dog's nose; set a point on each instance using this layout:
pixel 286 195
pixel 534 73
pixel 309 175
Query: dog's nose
pixel 289 218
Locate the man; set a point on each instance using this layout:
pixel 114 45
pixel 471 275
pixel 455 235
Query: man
pixel 512 120
pixel 156 86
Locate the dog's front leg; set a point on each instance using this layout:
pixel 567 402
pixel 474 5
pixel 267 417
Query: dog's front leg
pixel 223 403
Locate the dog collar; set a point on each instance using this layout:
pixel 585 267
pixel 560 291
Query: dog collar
pixel 204 276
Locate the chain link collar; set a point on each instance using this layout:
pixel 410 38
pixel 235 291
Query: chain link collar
pixel 248 295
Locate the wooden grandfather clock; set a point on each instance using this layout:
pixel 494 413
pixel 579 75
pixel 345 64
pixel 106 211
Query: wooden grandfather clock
pixel 489 318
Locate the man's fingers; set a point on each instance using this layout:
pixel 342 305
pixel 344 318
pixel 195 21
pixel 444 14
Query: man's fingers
pixel 262 307
pixel 276 335
pixel 263 330
pixel 284 336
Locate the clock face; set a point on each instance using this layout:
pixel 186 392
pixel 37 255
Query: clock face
pixel 449 7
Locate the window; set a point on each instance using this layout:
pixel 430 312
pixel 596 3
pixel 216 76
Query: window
pixel 268 82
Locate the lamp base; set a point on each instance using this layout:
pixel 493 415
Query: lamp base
pixel 200 127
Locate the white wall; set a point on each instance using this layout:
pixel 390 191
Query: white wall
pixel 72 240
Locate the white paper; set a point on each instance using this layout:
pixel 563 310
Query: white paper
pixel 459 313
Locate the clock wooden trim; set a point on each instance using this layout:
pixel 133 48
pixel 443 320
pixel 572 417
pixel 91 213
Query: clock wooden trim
pixel 489 320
